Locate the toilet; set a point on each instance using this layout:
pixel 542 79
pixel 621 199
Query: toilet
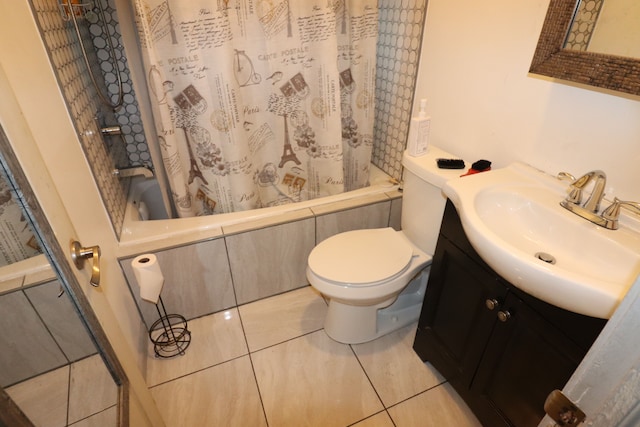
pixel 375 279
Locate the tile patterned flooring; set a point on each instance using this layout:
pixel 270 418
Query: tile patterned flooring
pixel 270 363
pixel 81 394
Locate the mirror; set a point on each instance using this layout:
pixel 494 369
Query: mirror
pixel 552 59
pixel 51 369
pixel 609 27
pixel 19 248
pixel 17 241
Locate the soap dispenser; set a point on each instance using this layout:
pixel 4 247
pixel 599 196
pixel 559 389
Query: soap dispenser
pixel 419 132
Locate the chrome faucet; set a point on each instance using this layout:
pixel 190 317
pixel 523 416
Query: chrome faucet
pixel 130 171
pixel 593 202
pixel 589 210
pixel 573 202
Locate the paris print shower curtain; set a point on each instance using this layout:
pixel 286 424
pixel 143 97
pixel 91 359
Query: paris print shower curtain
pixel 260 102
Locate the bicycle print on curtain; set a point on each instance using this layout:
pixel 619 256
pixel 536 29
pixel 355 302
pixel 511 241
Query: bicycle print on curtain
pixel 260 102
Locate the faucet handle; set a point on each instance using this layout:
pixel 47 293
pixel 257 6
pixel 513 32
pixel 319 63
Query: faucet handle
pixel 613 211
pixel 575 195
pixel 566 176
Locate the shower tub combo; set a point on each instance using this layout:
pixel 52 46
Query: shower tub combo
pixel 215 263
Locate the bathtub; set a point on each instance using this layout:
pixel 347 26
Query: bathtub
pixel 146 222
pixel 25 273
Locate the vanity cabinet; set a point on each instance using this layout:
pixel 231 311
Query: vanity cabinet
pixel 502 350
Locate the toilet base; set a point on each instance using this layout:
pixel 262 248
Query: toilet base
pixel 353 324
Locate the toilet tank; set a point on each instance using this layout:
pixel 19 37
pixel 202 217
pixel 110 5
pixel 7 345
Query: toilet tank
pixel 422 198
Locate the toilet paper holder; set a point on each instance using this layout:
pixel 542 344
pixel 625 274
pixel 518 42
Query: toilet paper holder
pixel 169 334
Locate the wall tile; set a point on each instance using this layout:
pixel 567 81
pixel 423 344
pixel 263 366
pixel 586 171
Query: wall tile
pixel 62 320
pixel 133 139
pixel 400 29
pixel 371 216
pixel 9 285
pixel 197 281
pixel 271 260
pixel 343 205
pixel 279 219
pixel 65 53
pixel 584 23
pixel 396 211
pixel 28 348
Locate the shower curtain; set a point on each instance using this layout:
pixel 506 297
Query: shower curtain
pixel 260 102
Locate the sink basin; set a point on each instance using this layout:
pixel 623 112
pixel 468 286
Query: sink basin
pixel 513 219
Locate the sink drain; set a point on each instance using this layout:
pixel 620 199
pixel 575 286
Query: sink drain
pixel 548 258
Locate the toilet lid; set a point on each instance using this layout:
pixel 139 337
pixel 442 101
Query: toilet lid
pixel 361 256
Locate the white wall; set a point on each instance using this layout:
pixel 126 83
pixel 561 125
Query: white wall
pixel 484 104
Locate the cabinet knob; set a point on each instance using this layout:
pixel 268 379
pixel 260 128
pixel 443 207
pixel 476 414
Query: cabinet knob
pixel 504 316
pixel 492 303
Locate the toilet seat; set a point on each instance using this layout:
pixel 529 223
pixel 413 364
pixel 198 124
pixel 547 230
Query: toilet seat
pixel 361 257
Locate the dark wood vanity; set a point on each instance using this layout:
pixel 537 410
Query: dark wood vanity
pixel 502 350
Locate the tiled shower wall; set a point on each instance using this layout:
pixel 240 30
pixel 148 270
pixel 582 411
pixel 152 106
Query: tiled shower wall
pixel 400 35
pixel 583 25
pixel 103 154
pixel 401 23
pixel 128 116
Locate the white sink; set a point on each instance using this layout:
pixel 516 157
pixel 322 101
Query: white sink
pixel 513 219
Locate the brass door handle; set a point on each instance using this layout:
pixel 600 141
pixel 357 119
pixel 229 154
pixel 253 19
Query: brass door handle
pixel 79 254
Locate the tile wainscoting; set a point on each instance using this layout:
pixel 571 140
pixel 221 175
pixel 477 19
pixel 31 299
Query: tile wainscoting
pixel 49 361
pixel 255 260
pixel 40 332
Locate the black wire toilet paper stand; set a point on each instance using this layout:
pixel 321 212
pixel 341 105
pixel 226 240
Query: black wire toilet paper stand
pixel 169 334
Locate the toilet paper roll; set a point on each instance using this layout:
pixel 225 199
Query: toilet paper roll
pixel 149 276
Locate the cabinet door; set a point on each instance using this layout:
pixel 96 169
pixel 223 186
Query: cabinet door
pixel 526 358
pixel 455 322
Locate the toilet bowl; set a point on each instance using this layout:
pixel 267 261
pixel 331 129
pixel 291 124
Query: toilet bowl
pixel 374 279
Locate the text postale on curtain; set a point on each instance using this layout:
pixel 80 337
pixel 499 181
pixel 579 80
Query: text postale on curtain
pixel 260 103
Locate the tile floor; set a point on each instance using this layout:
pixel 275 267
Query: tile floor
pixel 81 394
pixel 270 363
